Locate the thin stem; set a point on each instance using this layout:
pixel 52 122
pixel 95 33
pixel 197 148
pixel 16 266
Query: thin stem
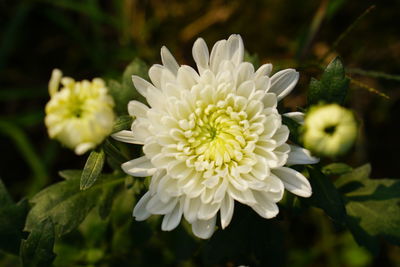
pixel 374 74
pixel 315 25
pixel 346 32
pixel 370 89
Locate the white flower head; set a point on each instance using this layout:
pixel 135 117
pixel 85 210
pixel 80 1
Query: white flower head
pixel 329 130
pixel 79 115
pixel 213 136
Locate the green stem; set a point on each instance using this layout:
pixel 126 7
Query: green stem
pixel 346 32
pixel 374 74
pixel 315 25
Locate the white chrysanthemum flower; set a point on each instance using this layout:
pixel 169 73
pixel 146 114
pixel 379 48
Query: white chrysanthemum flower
pixel 329 130
pixel 212 137
pixel 80 115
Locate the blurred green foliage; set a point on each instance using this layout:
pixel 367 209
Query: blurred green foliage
pixel 90 38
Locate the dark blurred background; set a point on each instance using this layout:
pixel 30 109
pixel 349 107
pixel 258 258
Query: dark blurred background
pixel 94 38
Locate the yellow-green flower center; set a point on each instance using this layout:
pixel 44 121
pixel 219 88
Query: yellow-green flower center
pixel 218 133
pixel 76 108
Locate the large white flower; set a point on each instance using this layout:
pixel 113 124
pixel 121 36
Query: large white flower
pixel 212 137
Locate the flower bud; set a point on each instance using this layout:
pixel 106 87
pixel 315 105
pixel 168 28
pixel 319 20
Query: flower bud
pixel 79 115
pixel 329 130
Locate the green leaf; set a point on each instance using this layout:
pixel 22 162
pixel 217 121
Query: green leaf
pixel 106 201
pixel 12 220
pixel 351 180
pixel 115 89
pixel 336 169
pixel 92 169
pixel 37 250
pixel 136 67
pixel 332 88
pixel 326 196
pixel 294 128
pixel 123 122
pixel 125 91
pixel 70 174
pixel 252 58
pixel 66 204
pixel 374 212
pixel 114 153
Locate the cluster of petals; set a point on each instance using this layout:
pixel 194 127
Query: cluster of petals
pixel 213 136
pixel 80 114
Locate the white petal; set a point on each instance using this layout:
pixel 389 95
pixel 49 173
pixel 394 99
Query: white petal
pixel 172 219
pixel 218 54
pixel 54 82
pixel 296 116
pixel 207 211
pixel 151 149
pixel 263 84
pixel 294 181
pixel 299 155
pixel 283 82
pixel 83 148
pixel 264 206
pixel 264 70
pixel 141 85
pixel 155 74
pixel 244 73
pixel 226 210
pixel 171 89
pixel 275 188
pixel 191 206
pixel 140 129
pixel 245 197
pixel 269 100
pixel 127 137
pixel 137 109
pixel 156 206
pixel 168 188
pixel 271 125
pixel 200 55
pixel 156 99
pixel 204 228
pixel 221 190
pixel 155 181
pixel 139 212
pixel 235 48
pixel 246 89
pixel 260 170
pixel 187 77
pixel 207 195
pixel 168 60
pixel 178 169
pixel 140 167
pixel 167 77
pixel 281 135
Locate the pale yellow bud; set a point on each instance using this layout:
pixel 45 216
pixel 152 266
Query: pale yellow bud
pixel 329 130
pixel 79 115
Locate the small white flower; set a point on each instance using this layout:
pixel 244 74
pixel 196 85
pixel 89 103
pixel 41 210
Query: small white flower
pixel 329 130
pixel 212 137
pixel 80 115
